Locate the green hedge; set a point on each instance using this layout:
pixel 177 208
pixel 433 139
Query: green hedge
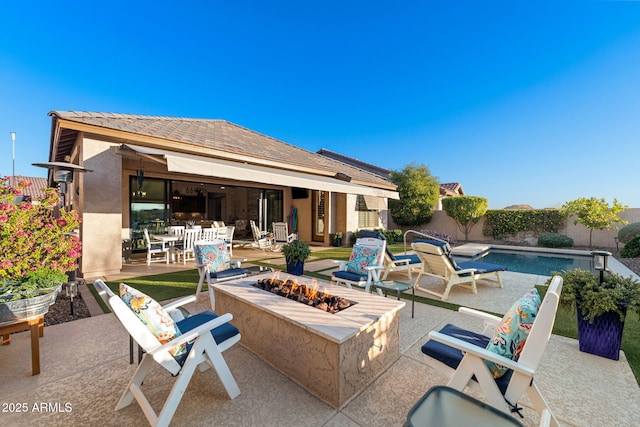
pixel 628 232
pixel 501 223
pixel 631 249
pixel 555 240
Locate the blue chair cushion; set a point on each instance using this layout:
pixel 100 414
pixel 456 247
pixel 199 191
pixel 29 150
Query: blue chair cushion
pixel 220 334
pixel 413 259
pixel 481 267
pixel 452 356
pixel 230 272
pixel 353 277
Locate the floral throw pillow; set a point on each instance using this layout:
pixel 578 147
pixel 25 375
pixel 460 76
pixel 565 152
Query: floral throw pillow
pixel 153 316
pixel 513 330
pixel 213 255
pixel 363 257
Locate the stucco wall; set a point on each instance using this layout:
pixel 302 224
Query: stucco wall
pixel 601 238
pixel 101 205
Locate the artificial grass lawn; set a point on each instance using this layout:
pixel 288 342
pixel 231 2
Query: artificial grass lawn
pixel 182 283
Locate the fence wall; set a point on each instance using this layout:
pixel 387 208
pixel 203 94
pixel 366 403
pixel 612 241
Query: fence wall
pixel 580 234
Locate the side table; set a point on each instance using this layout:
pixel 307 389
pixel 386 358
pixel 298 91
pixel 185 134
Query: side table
pixel 36 326
pixel 444 406
pixel 398 287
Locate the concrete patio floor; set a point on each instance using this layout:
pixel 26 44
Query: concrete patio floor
pixel 85 368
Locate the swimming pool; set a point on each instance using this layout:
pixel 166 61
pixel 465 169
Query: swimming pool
pixel 541 263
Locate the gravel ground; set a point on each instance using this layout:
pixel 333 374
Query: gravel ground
pixel 60 311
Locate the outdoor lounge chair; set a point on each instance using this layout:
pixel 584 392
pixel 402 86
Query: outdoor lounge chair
pixel 261 239
pixel 200 342
pixel 503 350
pixel 393 263
pixel 437 262
pixel 364 265
pixel 215 265
pixel 281 233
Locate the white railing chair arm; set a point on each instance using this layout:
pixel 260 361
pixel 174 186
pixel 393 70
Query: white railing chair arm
pixel 179 303
pixel 489 321
pixel 480 352
pixel 466 271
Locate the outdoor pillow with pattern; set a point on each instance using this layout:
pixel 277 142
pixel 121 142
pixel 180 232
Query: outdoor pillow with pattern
pixel 213 254
pixel 363 257
pixel 512 331
pixel 153 316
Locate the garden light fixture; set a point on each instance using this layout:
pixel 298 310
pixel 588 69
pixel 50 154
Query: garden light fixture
pixel 599 259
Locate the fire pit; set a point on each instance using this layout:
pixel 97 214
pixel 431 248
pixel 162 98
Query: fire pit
pixel 333 355
pixel 304 294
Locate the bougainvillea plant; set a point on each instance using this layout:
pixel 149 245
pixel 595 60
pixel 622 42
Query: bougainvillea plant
pixel 33 238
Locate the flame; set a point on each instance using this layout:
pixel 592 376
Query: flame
pixel 312 290
pixel 276 276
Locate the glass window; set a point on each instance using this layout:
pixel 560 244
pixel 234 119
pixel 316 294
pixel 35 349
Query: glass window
pixel 147 203
pixel 367 218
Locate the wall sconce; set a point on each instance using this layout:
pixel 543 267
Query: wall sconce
pixel 600 262
pixel 70 290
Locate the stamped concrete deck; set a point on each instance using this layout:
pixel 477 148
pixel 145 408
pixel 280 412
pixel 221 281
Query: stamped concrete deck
pixel 85 368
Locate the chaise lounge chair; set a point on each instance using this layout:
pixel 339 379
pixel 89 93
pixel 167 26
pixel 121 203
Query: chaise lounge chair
pixel 437 261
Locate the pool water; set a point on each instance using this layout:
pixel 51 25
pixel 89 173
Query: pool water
pixel 532 262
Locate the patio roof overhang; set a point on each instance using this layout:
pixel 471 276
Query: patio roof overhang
pixel 214 167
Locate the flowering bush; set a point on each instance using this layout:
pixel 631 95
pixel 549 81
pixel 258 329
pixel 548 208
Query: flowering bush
pixel 32 238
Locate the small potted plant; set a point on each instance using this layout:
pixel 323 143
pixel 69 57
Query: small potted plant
pixel 601 308
pixel 295 253
pixel 336 239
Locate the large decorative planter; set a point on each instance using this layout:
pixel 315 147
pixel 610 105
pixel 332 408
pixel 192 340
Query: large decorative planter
pixel 602 337
pixel 38 305
pixel 296 268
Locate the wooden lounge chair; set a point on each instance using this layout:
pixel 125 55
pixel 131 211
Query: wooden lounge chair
pixel 437 262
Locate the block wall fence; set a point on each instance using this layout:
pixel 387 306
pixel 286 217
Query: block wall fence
pixel 601 238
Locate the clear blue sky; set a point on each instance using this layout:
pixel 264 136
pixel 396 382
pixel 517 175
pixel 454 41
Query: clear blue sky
pixel 520 102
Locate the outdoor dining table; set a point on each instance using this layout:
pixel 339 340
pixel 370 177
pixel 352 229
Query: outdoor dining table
pixel 169 239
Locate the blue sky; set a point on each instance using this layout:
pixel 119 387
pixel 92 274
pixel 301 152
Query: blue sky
pixel 520 102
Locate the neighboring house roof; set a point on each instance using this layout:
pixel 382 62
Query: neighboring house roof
pixel 448 189
pixel 220 138
pixel 37 187
pixel 451 189
pixel 377 170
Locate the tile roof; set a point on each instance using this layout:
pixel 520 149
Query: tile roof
pixel 219 135
pixel 451 189
pixel 37 187
pixel 377 170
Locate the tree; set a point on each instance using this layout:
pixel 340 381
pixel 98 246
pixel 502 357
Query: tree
pixel 595 214
pixel 419 193
pixel 466 210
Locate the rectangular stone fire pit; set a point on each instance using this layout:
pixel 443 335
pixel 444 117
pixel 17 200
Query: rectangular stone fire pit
pixel 333 356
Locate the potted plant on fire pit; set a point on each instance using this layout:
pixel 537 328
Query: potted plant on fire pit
pixel 37 248
pixel 295 253
pixel 601 308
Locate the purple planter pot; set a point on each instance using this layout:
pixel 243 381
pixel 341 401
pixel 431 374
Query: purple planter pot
pixel 602 337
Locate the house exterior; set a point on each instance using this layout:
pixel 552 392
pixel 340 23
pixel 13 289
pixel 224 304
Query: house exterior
pixel 151 172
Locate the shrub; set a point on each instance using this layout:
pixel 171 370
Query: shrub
pixel 501 223
pixel 631 249
pixel 628 232
pixel 555 240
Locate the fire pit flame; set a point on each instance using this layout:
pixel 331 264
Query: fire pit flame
pixel 306 294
